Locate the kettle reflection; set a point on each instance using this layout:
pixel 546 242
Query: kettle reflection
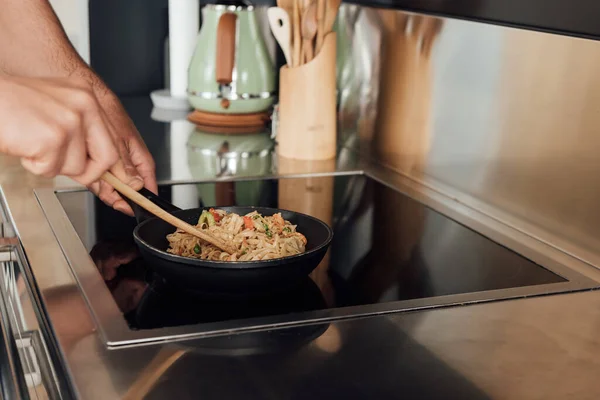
pixel 222 156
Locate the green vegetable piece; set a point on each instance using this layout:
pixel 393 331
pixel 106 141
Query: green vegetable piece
pixel 197 249
pixel 206 218
pixel 210 218
pixel 256 216
pixel 202 218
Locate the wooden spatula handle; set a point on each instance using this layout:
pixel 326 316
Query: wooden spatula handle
pixel 321 6
pixel 149 206
pixel 297 35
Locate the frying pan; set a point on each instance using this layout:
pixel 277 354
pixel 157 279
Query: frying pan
pixel 225 277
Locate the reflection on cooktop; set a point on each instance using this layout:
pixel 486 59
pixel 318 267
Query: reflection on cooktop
pixel 149 302
pixel 164 305
pixel 386 247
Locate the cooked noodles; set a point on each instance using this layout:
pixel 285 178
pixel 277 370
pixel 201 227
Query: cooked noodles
pixel 255 237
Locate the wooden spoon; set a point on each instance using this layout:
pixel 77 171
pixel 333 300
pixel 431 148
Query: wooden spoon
pixel 149 206
pixel 331 11
pixel 279 21
pixel 328 19
pixel 321 7
pixel 287 5
pixel 310 27
pixel 297 39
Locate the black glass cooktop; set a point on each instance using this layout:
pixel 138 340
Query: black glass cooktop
pixel 387 248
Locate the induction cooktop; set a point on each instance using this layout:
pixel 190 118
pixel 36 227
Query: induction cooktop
pixel 390 253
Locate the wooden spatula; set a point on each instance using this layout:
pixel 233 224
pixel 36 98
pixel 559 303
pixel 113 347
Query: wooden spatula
pixel 279 20
pixel 149 206
pixel 297 35
pixel 330 13
pixel 321 7
pixel 309 30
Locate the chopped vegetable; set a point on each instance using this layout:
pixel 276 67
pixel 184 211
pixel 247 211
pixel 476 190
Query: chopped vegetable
pixel 206 218
pixel 215 215
pixel 248 223
pixel 278 219
pixel 267 231
pixel 254 237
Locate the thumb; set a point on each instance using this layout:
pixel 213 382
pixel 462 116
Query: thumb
pixel 129 176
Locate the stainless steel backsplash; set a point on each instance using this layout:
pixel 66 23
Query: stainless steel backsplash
pixel 502 119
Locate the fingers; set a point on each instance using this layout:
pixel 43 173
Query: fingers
pixel 123 169
pixel 110 197
pixel 126 172
pixel 58 126
pixel 102 153
pixel 76 157
pixel 76 154
pixel 89 135
pixel 137 168
pixel 135 147
pixel 143 162
pixel 49 157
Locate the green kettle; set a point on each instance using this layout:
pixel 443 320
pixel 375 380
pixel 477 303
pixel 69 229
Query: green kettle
pixel 231 71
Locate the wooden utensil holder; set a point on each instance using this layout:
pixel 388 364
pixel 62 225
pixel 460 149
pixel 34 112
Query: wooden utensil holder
pixel 307 125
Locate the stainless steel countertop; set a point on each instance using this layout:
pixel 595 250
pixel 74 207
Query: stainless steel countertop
pixel 543 347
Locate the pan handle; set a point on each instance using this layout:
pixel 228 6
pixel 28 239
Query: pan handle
pixel 140 214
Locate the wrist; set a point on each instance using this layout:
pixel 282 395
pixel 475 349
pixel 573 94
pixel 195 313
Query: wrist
pixel 100 89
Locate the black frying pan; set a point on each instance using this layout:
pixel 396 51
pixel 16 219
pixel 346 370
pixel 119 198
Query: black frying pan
pixel 222 276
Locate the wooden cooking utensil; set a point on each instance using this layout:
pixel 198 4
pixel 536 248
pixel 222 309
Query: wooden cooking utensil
pixel 287 5
pixel 309 30
pixel 279 21
pixel 149 206
pixel 321 7
pixel 330 14
pixel 297 41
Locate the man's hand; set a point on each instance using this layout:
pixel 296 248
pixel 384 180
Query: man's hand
pixel 33 44
pixel 137 160
pixel 58 127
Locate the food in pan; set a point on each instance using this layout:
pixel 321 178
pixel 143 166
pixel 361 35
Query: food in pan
pixel 256 237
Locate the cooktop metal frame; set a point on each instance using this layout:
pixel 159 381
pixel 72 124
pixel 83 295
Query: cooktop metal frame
pixel 116 333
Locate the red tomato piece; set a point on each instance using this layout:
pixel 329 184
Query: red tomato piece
pixel 248 223
pixel 215 214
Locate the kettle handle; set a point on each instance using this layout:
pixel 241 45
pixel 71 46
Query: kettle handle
pixel 226 32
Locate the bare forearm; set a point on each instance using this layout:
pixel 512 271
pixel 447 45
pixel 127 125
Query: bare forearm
pixel 33 42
